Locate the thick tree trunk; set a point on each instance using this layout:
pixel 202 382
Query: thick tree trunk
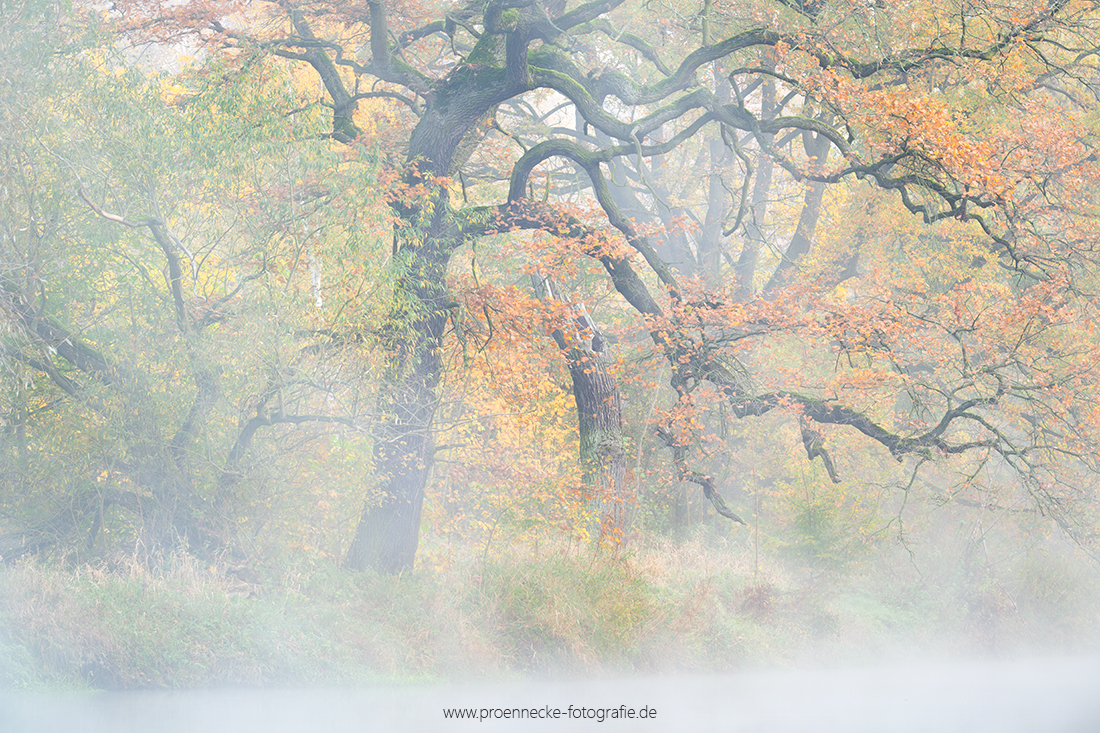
pixel 389 528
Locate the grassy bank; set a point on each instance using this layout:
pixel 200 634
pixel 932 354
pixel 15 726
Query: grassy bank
pixel 558 609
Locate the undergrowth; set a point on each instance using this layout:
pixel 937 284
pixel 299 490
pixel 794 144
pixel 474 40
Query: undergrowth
pixel 558 609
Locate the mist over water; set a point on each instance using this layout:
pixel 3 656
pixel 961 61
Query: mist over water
pixel 1041 695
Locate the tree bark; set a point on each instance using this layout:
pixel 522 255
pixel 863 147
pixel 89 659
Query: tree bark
pixel 602 449
pixel 496 70
pixel 389 528
pixel 602 452
pixel 802 241
pixel 745 270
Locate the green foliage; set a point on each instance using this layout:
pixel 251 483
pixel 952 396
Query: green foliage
pixel 565 610
pixel 1053 599
pixel 822 533
pixel 201 292
pixel 554 608
pixel 265 237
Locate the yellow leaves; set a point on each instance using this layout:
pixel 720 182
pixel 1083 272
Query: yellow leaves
pixel 926 127
pixel 173 93
pixel 508 417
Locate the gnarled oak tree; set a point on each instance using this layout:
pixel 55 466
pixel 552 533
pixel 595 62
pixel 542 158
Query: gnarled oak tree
pixel 719 140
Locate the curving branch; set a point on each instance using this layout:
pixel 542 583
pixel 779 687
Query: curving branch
pixel 691 368
pixel 710 490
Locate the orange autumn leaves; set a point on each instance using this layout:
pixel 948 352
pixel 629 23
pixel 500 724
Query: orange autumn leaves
pixel 508 464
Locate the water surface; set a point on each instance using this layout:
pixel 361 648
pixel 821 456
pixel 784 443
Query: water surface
pixel 1049 695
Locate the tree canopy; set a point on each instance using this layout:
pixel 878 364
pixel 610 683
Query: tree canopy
pixel 875 222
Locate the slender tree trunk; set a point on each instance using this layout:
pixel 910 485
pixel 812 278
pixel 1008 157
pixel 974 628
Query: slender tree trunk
pixel 602 450
pixel 761 188
pixel 802 241
pixel 718 203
